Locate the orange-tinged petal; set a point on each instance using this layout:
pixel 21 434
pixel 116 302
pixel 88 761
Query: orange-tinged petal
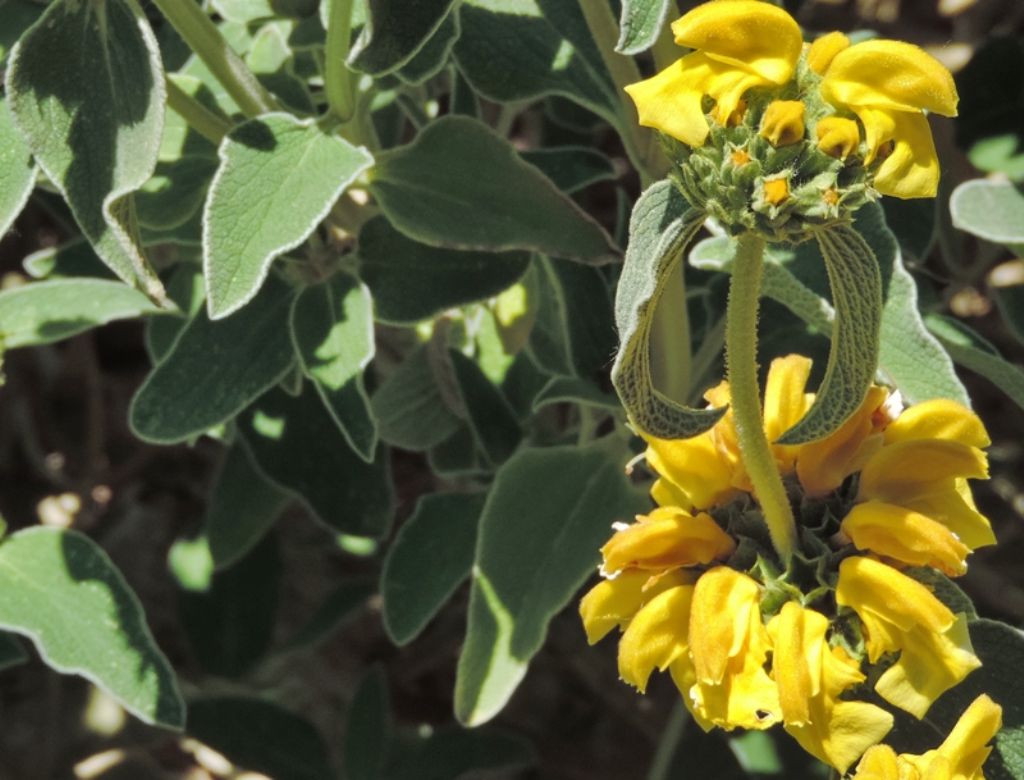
pixel 905 470
pixel 824 49
pixel 823 465
pixel 905 536
pixel 667 538
pixel 912 169
pixel 614 602
pixel 939 418
pixel 692 473
pixel 656 636
pixel 670 101
pixel 890 74
pixel 746 34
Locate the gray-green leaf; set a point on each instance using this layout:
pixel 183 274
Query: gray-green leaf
pixel 976 354
pixel 17 173
pixel 394 31
pixel 990 210
pixel 332 327
pixel 87 91
pixel 64 593
pixel 460 185
pixel 640 24
pixel 278 178
pixel 547 514
pixel 660 229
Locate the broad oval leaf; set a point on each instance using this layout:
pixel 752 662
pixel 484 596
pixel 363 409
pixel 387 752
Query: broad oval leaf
pixel 297 445
pixel 640 24
pixel 410 409
pixel 433 54
pixel 660 229
pixel 993 210
pixel 459 185
pixel 394 32
pixel 547 514
pixel 412 281
pixel 215 369
pixel 856 284
pixel 92 117
pixel 430 557
pixel 64 593
pixel 48 311
pixel 277 180
pixel 17 173
pixel 332 327
pixel 976 354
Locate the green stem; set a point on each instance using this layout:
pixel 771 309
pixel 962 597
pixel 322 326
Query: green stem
pixel 339 81
pixel 641 144
pixel 209 124
pixel 741 365
pixel 670 339
pixel 667 745
pixel 203 37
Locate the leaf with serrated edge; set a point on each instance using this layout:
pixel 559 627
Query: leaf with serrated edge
pixel 215 369
pixel 93 117
pixel 547 513
pixel 332 330
pixel 48 311
pixel 278 178
pixel 17 173
pixel 659 231
pixel 63 592
pixel 433 191
pixel 640 24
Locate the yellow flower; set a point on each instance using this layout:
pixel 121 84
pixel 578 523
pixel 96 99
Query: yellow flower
pixel 783 122
pixel 656 637
pixel 729 645
pixel 901 615
pixel 613 603
pixel 888 85
pixel 959 757
pixel 811 676
pixel 837 137
pixel 667 538
pixel 740 44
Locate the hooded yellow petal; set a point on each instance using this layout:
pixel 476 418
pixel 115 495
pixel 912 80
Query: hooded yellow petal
pixel 939 418
pixel 746 34
pixel 665 539
pixel 613 603
pixel 905 536
pixel 890 74
pixel 912 169
pixel 966 746
pixel 902 471
pixel 823 465
pixel 837 137
pixel 786 400
pixel 656 637
pixel 670 101
pixel 824 49
pixel 693 475
pixel 880 763
pixel 783 122
pixel 950 502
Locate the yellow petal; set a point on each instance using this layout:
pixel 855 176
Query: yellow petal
pixel 747 34
pixel 785 394
pixel 890 74
pixel 879 763
pixel 667 538
pixel 950 502
pixel 723 602
pixel 965 747
pixel 798 638
pixel 906 536
pixel 670 101
pixel 783 122
pixel 879 129
pixel 939 418
pixel 824 49
pixel 837 137
pixel 842 736
pixel 823 465
pixel 912 169
pixel 905 470
pixel 613 603
pixel 692 473
pixel 656 637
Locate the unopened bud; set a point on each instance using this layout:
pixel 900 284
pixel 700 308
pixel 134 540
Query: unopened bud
pixel 837 137
pixel 824 50
pixel 783 122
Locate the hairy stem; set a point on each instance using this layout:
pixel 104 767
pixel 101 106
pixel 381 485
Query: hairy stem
pixel 209 124
pixel 203 37
pixel 741 366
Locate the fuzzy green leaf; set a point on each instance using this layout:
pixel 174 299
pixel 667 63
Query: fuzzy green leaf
pixel 48 311
pixel 215 369
pixel 491 420
pixel 546 515
pixel 409 408
pixel 991 210
pixel 434 53
pixel 332 328
pixel 976 354
pixel 64 593
pixel 12 653
pixel 17 173
pixel 856 284
pixel 87 91
pixel 394 32
pixel 277 180
pixel 660 229
pixel 459 185
pixel 571 168
pixel 640 24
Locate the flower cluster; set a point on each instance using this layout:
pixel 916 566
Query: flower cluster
pixel 697 590
pixel 779 137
